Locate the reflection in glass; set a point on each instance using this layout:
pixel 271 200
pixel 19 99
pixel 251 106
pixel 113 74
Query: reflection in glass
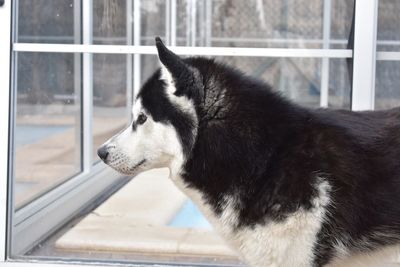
pixel 273 23
pixel 152 21
pixel 111 89
pixel 149 63
pixel 43 21
pixel 298 78
pixel 241 20
pixel 388 25
pixel 47 132
pixel 341 19
pixel 110 22
pixel 387 92
pixel 339 84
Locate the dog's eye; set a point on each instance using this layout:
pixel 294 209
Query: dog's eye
pixel 141 118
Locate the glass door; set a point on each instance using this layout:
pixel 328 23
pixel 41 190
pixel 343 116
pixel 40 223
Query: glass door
pixel 56 106
pixel 76 68
pixel 90 58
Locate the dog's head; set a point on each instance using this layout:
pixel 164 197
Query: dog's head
pixel 165 120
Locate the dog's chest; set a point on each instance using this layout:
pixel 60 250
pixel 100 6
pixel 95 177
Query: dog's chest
pixel 286 243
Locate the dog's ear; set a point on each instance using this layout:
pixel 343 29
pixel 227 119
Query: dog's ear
pixel 171 61
pixel 185 80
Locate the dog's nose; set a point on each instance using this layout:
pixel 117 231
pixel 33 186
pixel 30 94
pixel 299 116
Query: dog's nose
pixel 102 152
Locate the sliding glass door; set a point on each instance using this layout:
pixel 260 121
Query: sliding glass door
pixel 76 67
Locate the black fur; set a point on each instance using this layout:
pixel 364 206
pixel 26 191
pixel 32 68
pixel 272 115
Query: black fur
pixel 269 153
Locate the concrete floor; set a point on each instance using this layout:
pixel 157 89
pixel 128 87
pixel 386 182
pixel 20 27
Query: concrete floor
pixel 132 225
pixel 136 218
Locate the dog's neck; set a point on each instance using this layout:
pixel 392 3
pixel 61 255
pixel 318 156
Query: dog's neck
pixel 227 131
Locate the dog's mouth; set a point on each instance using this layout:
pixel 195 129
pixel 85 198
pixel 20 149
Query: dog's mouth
pixel 140 163
pixel 125 168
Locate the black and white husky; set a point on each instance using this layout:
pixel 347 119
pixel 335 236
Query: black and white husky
pixel 284 185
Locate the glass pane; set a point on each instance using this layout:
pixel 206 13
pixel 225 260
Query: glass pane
pixel 388 25
pixel 152 21
pixel 181 22
pixel 246 20
pixel 272 23
pixel 113 21
pixel 44 21
pixel 341 19
pixel 339 84
pixel 48 123
pixel 149 63
pixel 110 22
pixel 112 82
pixel 297 78
pixel 387 91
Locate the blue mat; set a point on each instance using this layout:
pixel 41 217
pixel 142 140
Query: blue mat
pixel 190 216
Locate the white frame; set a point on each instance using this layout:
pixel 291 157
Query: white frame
pixel 63 202
pixel 388 56
pixel 87 88
pixel 27 219
pixel 136 42
pixel 364 57
pixel 186 50
pixel 326 34
pixel 129 58
pixel 5 46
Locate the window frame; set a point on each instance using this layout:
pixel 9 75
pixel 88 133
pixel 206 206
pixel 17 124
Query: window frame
pixel 364 60
pixel 5 55
pixel 364 55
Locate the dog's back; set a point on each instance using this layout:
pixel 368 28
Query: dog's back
pixel 362 152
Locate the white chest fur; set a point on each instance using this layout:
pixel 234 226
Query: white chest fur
pixel 286 243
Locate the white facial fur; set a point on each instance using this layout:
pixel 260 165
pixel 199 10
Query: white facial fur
pixel 153 143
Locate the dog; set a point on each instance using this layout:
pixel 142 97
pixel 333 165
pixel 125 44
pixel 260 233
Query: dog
pixel 284 185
